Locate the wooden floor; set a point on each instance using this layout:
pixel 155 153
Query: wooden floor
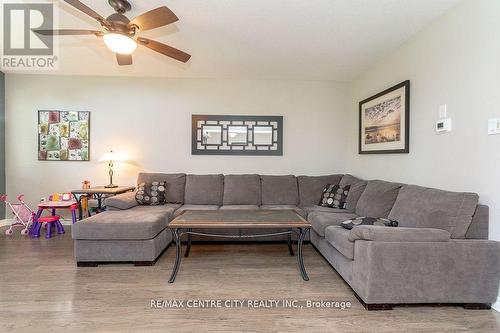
pixel 41 289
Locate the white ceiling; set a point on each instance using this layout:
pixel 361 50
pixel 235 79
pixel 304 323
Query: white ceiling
pixel 255 39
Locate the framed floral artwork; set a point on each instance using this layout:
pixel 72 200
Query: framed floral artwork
pixel 63 135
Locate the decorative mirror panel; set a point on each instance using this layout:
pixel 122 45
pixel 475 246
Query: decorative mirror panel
pixel 237 135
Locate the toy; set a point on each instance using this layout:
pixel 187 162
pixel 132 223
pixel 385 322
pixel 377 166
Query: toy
pixel 23 215
pixel 61 197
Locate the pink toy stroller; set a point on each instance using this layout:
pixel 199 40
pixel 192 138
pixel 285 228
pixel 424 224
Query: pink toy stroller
pixel 23 215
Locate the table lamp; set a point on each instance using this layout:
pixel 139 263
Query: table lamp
pixel 109 157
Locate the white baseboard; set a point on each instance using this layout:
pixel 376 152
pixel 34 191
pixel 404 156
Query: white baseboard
pixel 4 223
pixel 496 305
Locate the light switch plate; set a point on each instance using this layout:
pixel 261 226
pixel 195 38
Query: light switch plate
pixel 494 126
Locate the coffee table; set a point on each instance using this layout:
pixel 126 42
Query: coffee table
pixel 288 220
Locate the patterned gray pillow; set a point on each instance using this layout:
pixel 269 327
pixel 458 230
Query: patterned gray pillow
pixel 349 224
pixel 151 194
pixel 334 196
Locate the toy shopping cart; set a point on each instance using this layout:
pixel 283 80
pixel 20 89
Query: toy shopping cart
pixel 23 215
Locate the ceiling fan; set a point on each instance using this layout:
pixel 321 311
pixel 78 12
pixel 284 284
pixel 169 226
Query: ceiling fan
pixel 120 34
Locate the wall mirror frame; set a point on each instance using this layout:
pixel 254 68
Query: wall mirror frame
pixel 237 135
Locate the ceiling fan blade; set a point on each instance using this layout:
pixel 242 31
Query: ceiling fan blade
pixel 68 32
pixel 164 49
pixel 124 59
pixel 83 8
pixel 154 19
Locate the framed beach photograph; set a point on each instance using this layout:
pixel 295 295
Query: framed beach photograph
pixel 384 121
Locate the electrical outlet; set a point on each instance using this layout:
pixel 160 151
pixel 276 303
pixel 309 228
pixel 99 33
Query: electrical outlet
pixel 494 126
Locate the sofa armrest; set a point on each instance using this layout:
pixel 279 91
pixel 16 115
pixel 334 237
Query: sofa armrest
pixel 121 201
pixel 389 234
pixel 457 271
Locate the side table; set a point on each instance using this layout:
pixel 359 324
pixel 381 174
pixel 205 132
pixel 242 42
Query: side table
pixel 98 193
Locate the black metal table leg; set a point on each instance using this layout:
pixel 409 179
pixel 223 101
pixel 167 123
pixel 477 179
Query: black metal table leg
pixel 99 202
pixel 80 210
pixel 300 260
pixel 188 247
pixel 177 235
pixel 178 254
pixel 290 248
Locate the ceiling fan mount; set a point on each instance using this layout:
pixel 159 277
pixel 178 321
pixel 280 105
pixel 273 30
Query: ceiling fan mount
pixel 120 6
pixel 120 33
pixel 119 23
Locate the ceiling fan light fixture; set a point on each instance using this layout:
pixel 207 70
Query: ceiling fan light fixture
pixel 119 43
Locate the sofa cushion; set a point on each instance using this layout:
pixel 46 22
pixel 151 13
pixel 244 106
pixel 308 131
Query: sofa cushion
pixel 320 221
pixel 297 209
pixel 175 184
pixel 242 190
pixel 204 189
pixel 378 198
pixel 121 201
pixel 151 194
pixel 183 208
pixel 479 226
pixel 242 207
pixel 338 237
pixel 130 224
pixel 334 196
pixel 311 187
pixel 382 234
pixel 423 207
pixel 355 191
pixel 279 190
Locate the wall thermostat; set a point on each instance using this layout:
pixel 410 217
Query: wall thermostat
pixel 443 125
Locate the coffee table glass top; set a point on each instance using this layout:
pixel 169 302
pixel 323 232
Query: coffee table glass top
pixel 239 219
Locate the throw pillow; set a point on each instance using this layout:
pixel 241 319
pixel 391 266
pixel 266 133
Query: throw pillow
pixel 151 194
pixel 349 224
pixel 334 196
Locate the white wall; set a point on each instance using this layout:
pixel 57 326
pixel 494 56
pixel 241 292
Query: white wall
pixel 456 61
pixel 150 121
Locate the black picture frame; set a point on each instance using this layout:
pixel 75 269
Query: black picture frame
pixel 274 149
pixel 404 122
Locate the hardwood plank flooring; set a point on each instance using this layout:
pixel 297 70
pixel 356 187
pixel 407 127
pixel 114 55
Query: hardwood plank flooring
pixel 41 290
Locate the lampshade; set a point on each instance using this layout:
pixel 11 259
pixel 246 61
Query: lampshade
pixel 119 43
pixel 109 156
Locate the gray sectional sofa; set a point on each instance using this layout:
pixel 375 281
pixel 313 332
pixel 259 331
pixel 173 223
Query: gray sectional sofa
pixel 438 254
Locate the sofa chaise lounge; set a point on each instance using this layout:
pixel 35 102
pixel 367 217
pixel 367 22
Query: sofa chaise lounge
pixel 439 253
